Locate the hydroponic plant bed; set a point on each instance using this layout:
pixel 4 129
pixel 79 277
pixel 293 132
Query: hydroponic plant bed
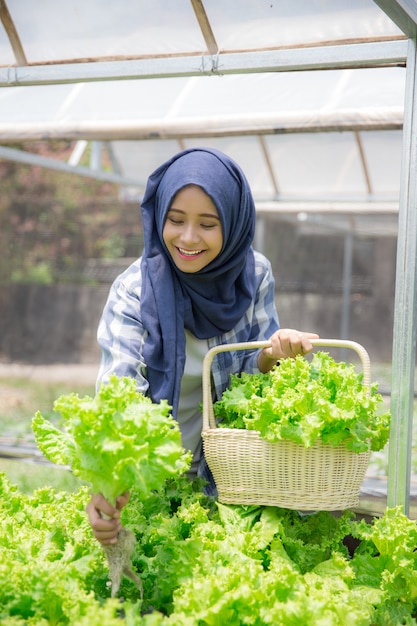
pixel 203 563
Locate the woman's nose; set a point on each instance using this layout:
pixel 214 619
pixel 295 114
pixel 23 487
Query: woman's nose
pixel 189 234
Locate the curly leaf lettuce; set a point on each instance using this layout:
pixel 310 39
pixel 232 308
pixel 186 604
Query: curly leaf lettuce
pixel 301 401
pixel 115 440
pixel 204 563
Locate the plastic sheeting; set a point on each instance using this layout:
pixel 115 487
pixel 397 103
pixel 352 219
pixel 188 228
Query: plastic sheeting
pixel 77 30
pixel 284 129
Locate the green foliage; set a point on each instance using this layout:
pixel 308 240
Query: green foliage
pixel 113 247
pixel 48 559
pixel 40 273
pixel 114 440
pixel 302 401
pixel 264 565
pixel 166 549
pixel 29 476
pixel 52 222
pixel 203 564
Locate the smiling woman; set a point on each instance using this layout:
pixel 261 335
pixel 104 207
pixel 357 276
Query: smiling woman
pixel 198 284
pixel 192 231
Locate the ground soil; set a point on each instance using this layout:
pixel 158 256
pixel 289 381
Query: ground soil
pixel 16 399
pixel 71 373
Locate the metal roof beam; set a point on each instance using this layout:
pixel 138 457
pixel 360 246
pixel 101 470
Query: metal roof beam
pixel 323 206
pixel 268 162
pixel 403 13
pixel 11 154
pixel 363 161
pixel 12 34
pixel 200 127
pixel 205 26
pixel 374 54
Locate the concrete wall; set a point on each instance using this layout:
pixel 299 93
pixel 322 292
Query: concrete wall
pixel 57 324
pixel 371 314
pixel 50 324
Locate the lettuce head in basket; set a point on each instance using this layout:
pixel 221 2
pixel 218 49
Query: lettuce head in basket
pixel 302 401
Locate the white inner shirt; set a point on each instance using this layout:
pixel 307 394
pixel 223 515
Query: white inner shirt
pixel 189 417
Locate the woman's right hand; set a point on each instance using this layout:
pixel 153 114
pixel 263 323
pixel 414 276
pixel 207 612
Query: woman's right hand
pixel 105 518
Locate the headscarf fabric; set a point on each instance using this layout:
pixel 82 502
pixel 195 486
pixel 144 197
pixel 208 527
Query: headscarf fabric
pixel 211 301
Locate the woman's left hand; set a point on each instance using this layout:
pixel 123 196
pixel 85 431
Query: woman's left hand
pixel 285 343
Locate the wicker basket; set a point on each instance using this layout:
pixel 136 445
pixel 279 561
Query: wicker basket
pixel 250 470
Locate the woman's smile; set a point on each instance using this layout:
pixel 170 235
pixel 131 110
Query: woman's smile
pixel 190 253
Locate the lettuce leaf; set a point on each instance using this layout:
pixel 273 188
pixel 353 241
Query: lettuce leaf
pixel 391 543
pixel 204 564
pixel 115 440
pixel 302 401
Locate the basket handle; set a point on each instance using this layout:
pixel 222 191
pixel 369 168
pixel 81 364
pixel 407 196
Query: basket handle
pixel 208 413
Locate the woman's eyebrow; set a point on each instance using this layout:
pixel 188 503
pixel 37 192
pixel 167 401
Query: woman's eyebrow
pixel 212 215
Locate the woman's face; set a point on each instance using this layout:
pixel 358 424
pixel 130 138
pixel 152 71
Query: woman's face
pixel 192 231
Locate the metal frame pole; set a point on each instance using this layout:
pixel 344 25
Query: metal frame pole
pixel 404 331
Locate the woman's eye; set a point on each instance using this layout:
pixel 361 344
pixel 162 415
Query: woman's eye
pixel 208 226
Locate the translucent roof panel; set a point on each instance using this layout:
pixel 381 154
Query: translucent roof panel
pixel 6 52
pixel 382 153
pixel 178 107
pixel 138 159
pixel 271 123
pixel 327 165
pixel 272 23
pixel 75 30
pixel 284 128
pixel 296 166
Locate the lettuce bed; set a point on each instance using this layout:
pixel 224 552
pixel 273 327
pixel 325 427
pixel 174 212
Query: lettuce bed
pixel 200 563
pixel 203 563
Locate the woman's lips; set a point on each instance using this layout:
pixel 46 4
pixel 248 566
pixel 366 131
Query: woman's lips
pixel 189 254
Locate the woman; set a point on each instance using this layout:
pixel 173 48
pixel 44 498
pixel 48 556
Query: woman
pixel 199 283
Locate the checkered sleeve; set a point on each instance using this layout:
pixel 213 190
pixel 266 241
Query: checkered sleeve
pixel 264 319
pixel 258 324
pixel 120 333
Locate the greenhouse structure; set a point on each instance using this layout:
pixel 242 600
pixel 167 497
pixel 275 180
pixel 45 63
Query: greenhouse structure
pixel 316 100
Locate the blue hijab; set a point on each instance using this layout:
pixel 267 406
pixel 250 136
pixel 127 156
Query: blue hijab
pixel 211 301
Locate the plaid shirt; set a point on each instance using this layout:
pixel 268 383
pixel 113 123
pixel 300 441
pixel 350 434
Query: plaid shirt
pixel 121 335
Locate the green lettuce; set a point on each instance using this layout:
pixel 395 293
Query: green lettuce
pixel 303 401
pixel 204 564
pixel 48 560
pixel 115 440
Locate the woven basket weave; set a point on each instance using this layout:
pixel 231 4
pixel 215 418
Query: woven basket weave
pixel 250 470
